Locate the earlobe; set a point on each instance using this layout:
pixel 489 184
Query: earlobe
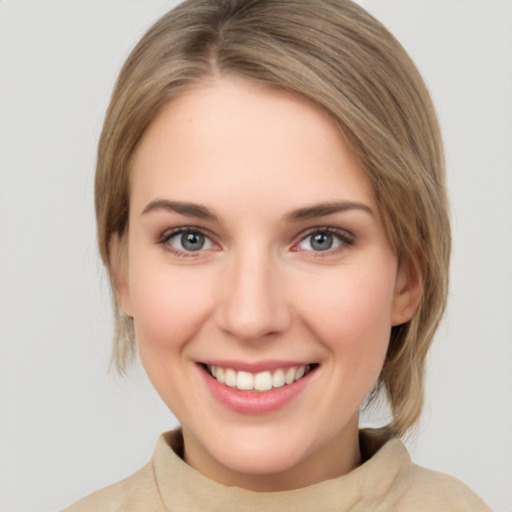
pixel 118 256
pixel 408 292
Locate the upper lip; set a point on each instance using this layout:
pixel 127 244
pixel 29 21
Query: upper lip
pixel 254 366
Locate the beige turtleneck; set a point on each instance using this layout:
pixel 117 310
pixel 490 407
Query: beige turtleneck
pixel 387 481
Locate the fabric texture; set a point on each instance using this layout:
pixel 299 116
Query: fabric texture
pixel 386 482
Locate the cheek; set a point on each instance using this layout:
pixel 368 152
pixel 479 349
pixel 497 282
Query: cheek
pixel 168 304
pixel 350 312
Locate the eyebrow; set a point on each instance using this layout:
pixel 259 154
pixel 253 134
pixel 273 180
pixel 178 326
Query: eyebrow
pixel 308 212
pixel 190 209
pixel 319 210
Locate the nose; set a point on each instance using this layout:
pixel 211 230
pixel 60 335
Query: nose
pixel 253 305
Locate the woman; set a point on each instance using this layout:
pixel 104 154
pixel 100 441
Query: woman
pixel 272 212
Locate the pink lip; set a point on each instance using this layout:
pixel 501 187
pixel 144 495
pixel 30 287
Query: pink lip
pixel 253 402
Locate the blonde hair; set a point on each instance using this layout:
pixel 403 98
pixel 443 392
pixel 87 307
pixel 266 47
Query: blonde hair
pixel 337 56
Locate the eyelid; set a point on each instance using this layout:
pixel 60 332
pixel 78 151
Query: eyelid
pixel 347 239
pixel 168 234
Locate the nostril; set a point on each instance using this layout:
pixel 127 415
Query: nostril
pixel 252 306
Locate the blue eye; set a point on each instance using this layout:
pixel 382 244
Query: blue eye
pixel 324 240
pixel 187 240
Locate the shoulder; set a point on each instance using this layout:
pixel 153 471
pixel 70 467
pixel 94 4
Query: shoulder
pixel 404 486
pixel 142 491
pixel 425 489
pixel 137 493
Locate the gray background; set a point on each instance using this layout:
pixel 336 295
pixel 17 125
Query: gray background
pixel 67 426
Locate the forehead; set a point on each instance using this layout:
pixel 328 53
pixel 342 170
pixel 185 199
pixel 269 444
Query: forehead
pixel 243 141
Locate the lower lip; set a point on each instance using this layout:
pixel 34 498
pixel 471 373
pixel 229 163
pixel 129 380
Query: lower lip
pixel 255 402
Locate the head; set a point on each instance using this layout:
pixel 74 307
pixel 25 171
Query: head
pixel 336 57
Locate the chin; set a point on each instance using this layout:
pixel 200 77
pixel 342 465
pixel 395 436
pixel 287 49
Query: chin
pixel 262 460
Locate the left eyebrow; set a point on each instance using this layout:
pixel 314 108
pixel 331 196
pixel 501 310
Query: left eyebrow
pixel 319 210
pixel 184 208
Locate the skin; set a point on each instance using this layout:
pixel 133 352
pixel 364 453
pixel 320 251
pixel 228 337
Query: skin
pixel 258 290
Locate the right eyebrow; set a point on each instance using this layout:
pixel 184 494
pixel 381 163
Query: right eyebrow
pixel 322 209
pixel 184 208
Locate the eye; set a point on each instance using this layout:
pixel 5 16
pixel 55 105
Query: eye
pixel 186 240
pixel 326 239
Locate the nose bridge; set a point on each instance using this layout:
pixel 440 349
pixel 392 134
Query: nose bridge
pixel 254 304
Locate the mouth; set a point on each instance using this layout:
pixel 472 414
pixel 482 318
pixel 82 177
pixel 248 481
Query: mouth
pixel 259 382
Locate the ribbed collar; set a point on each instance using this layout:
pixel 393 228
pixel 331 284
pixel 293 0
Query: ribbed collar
pixel 184 489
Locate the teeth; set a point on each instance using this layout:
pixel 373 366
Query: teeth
pixel 263 381
pixel 278 379
pixel 300 372
pixel 230 378
pixel 245 381
pixel 290 375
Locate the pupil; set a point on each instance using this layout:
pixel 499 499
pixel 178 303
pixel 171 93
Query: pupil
pixel 322 241
pixel 192 241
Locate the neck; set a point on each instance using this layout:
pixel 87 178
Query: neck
pixel 334 459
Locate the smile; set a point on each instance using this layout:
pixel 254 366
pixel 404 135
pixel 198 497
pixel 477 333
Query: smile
pixel 261 381
pixel 257 388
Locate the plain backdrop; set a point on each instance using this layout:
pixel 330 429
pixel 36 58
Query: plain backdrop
pixel 67 425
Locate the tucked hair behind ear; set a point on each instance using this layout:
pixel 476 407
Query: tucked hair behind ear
pixel 337 56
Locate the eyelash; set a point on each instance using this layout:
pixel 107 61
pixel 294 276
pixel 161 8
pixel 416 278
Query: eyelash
pixel 345 240
pixel 164 239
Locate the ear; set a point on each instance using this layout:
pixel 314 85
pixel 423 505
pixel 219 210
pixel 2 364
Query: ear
pixel 118 256
pixel 408 292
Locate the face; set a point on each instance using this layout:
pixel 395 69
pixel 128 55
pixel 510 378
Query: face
pixel 260 281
